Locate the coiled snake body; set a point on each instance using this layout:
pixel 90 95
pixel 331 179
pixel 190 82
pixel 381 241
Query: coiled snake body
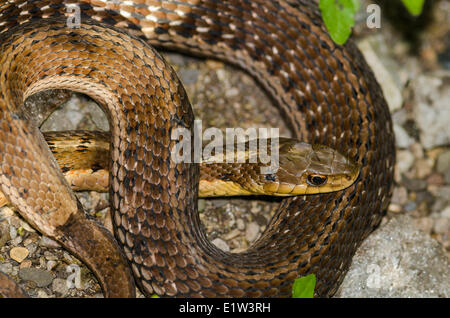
pixel 327 93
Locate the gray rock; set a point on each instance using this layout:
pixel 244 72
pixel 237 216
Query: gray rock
pixel 41 277
pixel 221 244
pixel 431 111
pixel 60 286
pixel 443 165
pixel 188 76
pixel 402 139
pixel 385 71
pixel 252 231
pixel 48 242
pixel 405 160
pixel 398 260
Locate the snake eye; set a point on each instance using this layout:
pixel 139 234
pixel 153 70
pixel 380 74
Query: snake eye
pixel 316 180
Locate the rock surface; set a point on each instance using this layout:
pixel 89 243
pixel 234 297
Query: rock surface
pixel 398 260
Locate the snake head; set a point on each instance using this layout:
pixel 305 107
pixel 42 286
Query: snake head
pixel 310 169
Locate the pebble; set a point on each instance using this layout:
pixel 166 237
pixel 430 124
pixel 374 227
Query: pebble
pixel 6 268
pixel 42 294
pixel 441 225
pixel 431 111
pixel 19 253
pixel 424 224
pixel 201 205
pixel 399 196
pixel 188 76
pixel 41 277
pixel 31 247
pixel 389 84
pixel 423 168
pixel 60 286
pixel 240 224
pixel 51 265
pixel 12 232
pixel 48 242
pixel 436 179
pixel 221 244
pixel 232 234
pixel 443 162
pixel 443 165
pixel 446 212
pixel 405 160
pixel 232 92
pixel 252 231
pixel 26 264
pixel 402 139
pixel 414 184
pixel 410 206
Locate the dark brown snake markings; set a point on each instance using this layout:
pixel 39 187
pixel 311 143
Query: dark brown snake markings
pixel 326 91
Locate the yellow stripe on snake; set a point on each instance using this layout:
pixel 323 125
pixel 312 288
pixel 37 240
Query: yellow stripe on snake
pixel 327 93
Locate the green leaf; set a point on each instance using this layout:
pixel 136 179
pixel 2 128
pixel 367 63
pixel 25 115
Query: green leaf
pixel 339 17
pixel 155 296
pixel 304 287
pixel 414 6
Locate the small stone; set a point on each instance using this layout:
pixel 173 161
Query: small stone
pixel 435 179
pixel 443 162
pixel 26 264
pixel 27 241
pixel 424 224
pixel 60 286
pixel 256 208
pixel 6 212
pixel 240 224
pixel 232 92
pixel 423 168
pixel 441 225
pixel 384 73
pixel 402 139
pixel 431 111
pixel 405 160
pixel 48 242
pixel 201 205
pixel 410 206
pixel 6 268
pixel 18 253
pixel 221 244
pixel 12 232
pixel 417 150
pixel 424 196
pixel 443 165
pixel 188 76
pixel 219 203
pixel 414 184
pixel 398 260
pixel 252 231
pixel 41 277
pixel 42 294
pixel 32 247
pixel 446 213
pixel 49 256
pixel 232 234
pixel 399 196
pixel 51 265
pixel 395 208
pixel 26 227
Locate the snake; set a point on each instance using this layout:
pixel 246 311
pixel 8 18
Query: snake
pixel 326 93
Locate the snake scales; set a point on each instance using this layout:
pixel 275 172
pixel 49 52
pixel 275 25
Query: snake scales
pixel 326 92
